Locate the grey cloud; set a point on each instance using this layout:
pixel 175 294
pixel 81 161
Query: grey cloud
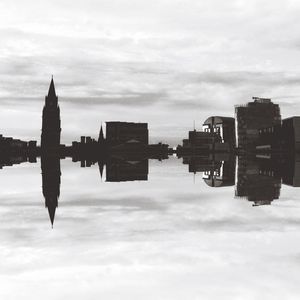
pixel 133 203
pixel 133 99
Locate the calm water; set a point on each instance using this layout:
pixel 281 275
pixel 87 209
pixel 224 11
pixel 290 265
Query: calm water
pixel 171 237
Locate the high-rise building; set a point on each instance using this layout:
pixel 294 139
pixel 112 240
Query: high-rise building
pixel 252 117
pixel 50 139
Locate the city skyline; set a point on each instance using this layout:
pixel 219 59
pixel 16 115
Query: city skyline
pixel 149 149
pixel 267 149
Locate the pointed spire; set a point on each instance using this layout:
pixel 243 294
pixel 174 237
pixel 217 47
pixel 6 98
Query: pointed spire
pixel 51 211
pixel 51 91
pixel 101 167
pixel 101 135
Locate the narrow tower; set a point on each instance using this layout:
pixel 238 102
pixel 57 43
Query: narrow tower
pixel 50 156
pixel 50 139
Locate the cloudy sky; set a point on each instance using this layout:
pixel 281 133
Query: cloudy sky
pixel 167 62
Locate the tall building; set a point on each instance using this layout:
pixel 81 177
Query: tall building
pixel 253 117
pixel 50 139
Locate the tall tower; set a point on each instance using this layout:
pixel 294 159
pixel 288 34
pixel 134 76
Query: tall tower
pixel 50 139
pixel 50 156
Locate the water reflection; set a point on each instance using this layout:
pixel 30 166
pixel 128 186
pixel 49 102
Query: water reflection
pixel 255 178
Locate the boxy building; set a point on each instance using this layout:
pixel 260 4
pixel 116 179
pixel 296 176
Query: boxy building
pixel 119 133
pixel 252 117
pixel 291 133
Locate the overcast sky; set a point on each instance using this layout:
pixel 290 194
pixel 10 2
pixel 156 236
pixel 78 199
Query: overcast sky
pixel 166 62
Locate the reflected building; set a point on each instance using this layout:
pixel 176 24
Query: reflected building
pixel 201 163
pixel 224 175
pixel 257 180
pixel 290 170
pixel 118 169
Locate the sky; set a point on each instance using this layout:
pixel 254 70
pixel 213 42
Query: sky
pixel 165 62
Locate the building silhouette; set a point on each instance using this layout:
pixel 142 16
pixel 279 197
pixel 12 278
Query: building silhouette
pixel 258 180
pixel 268 151
pixel 291 134
pixel 225 128
pixel 252 117
pixel 50 151
pixel 224 175
pixel 50 138
pixel 118 169
pixel 126 134
pixel 198 142
pixel 50 165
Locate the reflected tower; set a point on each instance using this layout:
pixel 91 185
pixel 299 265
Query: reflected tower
pixel 51 183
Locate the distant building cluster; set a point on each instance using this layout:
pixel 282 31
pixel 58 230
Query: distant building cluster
pixel 257 128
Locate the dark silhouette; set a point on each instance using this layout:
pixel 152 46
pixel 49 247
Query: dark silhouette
pixel 50 139
pixel 225 128
pixel 50 165
pixel 250 118
pixel 268 151
pixel 50 151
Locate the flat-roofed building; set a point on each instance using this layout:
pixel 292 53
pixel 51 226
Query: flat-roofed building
pixel 252 117
pixel 118 133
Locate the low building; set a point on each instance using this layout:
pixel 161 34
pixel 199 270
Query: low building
pixel 224 127
pixel 118 133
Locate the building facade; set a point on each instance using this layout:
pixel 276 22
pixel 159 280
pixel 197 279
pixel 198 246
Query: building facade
pixel 251 118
